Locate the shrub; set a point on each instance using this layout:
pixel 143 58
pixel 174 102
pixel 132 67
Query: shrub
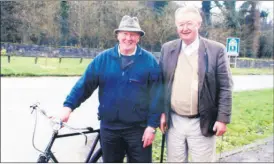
pixel 266 45
pixel 3 51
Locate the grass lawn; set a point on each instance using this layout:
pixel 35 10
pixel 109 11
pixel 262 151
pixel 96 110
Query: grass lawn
pixel 252 119
pixel 252 71
pixel 24 66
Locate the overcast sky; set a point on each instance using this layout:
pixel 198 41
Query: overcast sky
pixel 265 5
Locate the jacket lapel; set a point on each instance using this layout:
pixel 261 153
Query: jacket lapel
pixel 201 65
pixel 174 54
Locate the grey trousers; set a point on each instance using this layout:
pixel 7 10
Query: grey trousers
pixel 185 141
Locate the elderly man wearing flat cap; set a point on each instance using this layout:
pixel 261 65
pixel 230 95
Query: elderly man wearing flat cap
pixel 129 81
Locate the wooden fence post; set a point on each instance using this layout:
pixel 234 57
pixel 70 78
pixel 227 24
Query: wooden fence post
pixel 8 58
pixel 36 59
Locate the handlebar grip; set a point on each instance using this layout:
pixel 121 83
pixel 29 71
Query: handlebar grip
pixel 90 128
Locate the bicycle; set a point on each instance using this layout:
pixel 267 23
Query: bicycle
pixel 47 154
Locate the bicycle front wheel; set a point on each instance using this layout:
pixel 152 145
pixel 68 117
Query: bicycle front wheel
pixel 42 159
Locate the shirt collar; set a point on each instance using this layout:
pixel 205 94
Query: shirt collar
pixel 133 53
pixel 193 45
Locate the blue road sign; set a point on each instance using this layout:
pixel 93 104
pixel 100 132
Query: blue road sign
pixel 233 46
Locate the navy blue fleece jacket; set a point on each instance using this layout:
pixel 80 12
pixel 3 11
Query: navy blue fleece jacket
pixel 128 96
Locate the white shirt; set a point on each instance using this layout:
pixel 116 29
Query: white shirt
pixel 133 53
pixel 189 49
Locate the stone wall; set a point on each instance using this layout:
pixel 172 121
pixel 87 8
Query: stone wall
pixel 247 63
pixel 35 50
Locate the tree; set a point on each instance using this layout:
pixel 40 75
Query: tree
pixel 243 24
pixel 253 27
pixel 159 6
pixel 264 24
pixel 38 21
pixel 249 18
pixel 91 23
pixel 9 23
pixel 228 9
pixel 64 25
pixel 156 6
pixel 266 45
pixel 206 7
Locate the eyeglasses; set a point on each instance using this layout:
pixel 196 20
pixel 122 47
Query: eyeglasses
pixel 186 25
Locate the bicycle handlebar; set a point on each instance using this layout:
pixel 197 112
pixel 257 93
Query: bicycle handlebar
pixel 57 124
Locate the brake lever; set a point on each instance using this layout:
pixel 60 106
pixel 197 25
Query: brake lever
pixel 86 138
pixel 90 129
pixel 31 111
pixel 34 106
pixel 43 112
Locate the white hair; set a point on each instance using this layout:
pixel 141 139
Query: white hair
pixel 188 9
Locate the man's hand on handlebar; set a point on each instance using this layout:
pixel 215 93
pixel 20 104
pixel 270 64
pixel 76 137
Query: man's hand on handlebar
pixel 63 114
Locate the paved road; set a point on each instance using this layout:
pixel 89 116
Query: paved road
pixel 250 82
pixel 260 153
pixel 17 94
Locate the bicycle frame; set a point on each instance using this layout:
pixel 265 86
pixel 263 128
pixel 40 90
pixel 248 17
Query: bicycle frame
pixel 44 158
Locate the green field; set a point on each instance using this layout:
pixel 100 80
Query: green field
pixel 252 71
pixel 25 66
pixel 252 119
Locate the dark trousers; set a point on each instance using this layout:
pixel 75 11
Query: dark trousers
pixel 116 143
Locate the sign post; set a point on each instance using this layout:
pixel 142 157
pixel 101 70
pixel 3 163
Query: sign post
pixel 233 49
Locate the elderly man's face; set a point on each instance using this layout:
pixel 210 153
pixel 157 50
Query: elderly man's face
pixel 128 40
pixel 187 26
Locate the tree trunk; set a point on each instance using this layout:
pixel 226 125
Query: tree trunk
pixel 256 27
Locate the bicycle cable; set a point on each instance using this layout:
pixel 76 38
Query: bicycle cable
pixel 33 134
